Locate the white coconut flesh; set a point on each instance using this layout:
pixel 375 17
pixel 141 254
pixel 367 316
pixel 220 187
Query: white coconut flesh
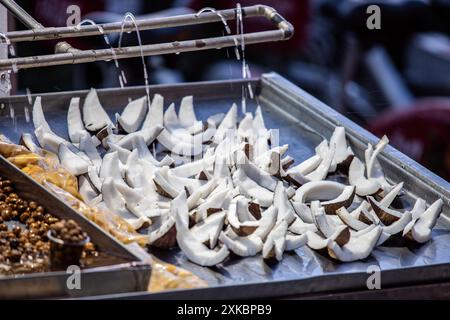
pixel 321 171
pixel 75 124
pixel 148 134
pixel 421 231
pixel 133 115
pixel 349 220
pixel 275 243
pixel 385 214
pixel 155 113
pixel 73 163
pixel 266 223
pixel 251 189
pixel 299 227
pixel 229 122
pixel 94 116
pixel 302 211
pixel 228 172
pixel 319 190
pixel 195 250
pixel 209 230
pixel 356 177
pixel 295 241
pixel 242 246
pixel 87 191
pixel 342 152
pixel 88 147
pixel 419 208
pixel 282 204
pixel 357 248
pixel 258 175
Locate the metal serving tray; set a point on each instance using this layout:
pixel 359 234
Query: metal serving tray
pixel 122 272
pixel 303 122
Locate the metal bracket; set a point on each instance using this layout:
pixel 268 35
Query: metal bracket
pixel 284 31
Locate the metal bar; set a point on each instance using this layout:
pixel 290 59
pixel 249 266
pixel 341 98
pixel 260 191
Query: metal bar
pixel 284 32
pixel 154 23
pixel 21 14
pixel 86 56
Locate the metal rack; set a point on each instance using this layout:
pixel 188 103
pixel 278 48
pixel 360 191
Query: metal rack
pixel 66 54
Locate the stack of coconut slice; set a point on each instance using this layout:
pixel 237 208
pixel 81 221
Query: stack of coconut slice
pixel 222 185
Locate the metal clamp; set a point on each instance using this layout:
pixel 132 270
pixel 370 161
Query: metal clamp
pixel 284 31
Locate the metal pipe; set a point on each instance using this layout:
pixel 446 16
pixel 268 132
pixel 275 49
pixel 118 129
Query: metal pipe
pixel 284 32
pixel 154 23
pixel 85 56
pixel 21 14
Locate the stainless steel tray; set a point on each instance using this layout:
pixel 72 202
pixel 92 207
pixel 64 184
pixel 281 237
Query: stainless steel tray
pixel 121 272
pixel 303 122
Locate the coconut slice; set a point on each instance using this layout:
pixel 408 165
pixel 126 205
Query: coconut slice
pixel 193 168
pixel 349 220
pixel 116 204
pixel 251 189
pixel 302 211
pixel 73 163
pixel 394 228
pixel 209 230
pixel 111 167
pixel 26 140
pixel 94 116
pixel 242 246
pixel 75 124
pixel 343 154
pixel 374 170
pixel 264 160
pixel 163 186
pixel 385 214
pixel 87 191
pixel 306 166
pixel 345 199
pixel 165 237
pixel 194 249
pixel 321 171
pixel 137 203
pixel 155 113
pixel 228 122
pixel 132 116
pixel 256 174
pixel 48 140
pixel 419 208
pixel 202 193
pixel 122 152
pixel 294 241
pixel 88 147
pixel 319 190
pixel 282 204
pixel 186 114
pixel 276 242
pixel 316 242
pixel 93 175
pixel 421 231
pixel 144 153
pixel 148 134
pixel 299 227
pixel 266 223
pixel 357 248
pixel 39 120
pixel 364 186
pixel 171 121
pixel 241 228
pixel 176 146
